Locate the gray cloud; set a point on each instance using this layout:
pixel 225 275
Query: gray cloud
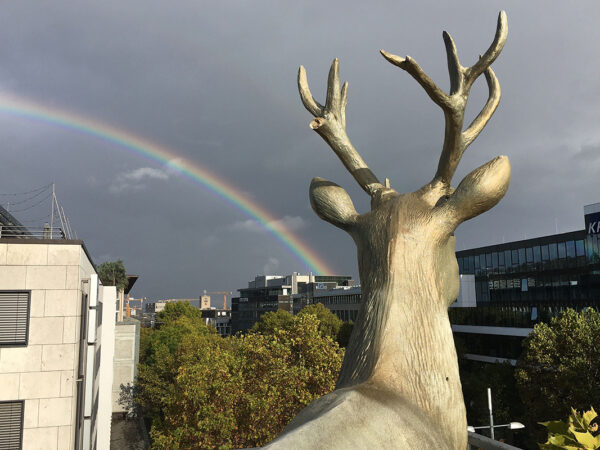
pixel 133 180
pixel 285 223
pixel 214 83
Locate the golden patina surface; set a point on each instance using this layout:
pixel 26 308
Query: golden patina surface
pixel 399 386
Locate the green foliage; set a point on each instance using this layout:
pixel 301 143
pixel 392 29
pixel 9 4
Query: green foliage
pixel 560 365
pixel 113 274
pixel 273 320
pixel 204 391
pixel 580 432
pixel 329 323
pixel 343 336
pixel 175 310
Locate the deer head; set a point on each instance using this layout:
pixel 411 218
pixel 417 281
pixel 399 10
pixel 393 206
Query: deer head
pixel 433 212
pixel 402 340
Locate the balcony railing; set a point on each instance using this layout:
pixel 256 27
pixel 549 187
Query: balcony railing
pixel 22 232
pixel 478 441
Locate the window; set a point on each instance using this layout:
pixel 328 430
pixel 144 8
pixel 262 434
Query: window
pixel 529 254
pixel 562 251
pixel 11 425
pixel 545 255
pixel 553 251
pixel 537 255
pixel 570 249
pixel 580 249
pixel 507 260
pixel 522 261
pixel 14 318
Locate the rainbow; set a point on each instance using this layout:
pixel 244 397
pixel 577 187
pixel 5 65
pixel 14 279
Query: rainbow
pixel 21 107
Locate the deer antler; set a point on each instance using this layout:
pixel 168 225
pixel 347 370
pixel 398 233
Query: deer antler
pixel 330 123
pixel 453 104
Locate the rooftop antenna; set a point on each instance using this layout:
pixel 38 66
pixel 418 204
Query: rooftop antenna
pixel 52 211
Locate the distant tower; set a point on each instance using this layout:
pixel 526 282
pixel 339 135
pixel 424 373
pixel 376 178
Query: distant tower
pixel 205 301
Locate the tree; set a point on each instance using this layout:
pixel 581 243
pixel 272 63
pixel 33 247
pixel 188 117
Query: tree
pixel 329 323
pixel 158 357
pixel 113 274
pixel 559 368
pixel 344 333
pixel 204 391
pixel 173 311
pixel 272 321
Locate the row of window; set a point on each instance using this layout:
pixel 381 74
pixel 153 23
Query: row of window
pixel 346 315
pixel 555 255
pixel 542 288
pixel 511 315
pixel 349 299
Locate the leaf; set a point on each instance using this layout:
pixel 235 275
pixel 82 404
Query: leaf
pixel 556 427
pixel 587 440
pixel 589 416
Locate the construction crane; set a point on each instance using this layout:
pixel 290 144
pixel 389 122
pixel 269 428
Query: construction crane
pixel 224 294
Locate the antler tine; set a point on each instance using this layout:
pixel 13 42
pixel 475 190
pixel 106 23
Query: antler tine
pixel 408 64
pixel 330 123
pixel 309 102
pixel 333 101
pixel 455 70
pixel 344 102
pixel 491 53
pixel 488 110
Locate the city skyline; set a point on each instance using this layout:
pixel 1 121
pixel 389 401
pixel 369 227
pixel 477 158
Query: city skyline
pixel 216 84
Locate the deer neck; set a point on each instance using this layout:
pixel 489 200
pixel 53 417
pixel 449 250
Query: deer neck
pixel 402 340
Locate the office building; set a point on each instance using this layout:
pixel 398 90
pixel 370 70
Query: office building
pixel 518 284
pixel 219 319
pixel 272 292
pixel 56 326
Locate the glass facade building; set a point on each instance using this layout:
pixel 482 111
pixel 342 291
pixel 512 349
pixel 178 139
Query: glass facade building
pixel 521 283
pixel 561 269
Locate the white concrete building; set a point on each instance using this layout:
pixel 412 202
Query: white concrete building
pixel 56 326
pixel 126 358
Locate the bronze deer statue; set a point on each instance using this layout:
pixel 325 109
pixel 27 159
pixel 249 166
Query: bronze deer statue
pixel 399 386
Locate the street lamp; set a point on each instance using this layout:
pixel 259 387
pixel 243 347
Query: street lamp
pixel 491 426
pixel 512 426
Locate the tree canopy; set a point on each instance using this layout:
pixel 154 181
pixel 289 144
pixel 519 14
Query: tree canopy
pixel 272 321
pixel 112 273
pixel 204 391
pixel 329 323
pixel 559 368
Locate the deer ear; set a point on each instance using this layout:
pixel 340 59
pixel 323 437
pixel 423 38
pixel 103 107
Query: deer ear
pixel 480 190
pixel 332 203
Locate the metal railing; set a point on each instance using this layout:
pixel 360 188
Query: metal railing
pixel 22 232
pixel 478 441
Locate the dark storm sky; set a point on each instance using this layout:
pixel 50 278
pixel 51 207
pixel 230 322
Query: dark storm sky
pixel 216 83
